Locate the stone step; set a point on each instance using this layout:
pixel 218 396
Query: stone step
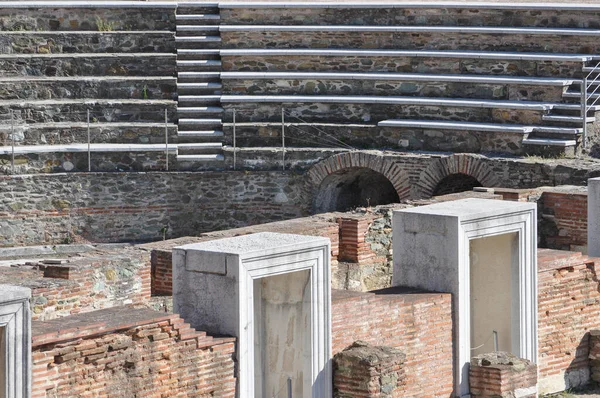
pixel 364 28
pixel 200 86
pixel 193 123
pixel 395 100
pixel 543 130
pixel 440 13
pixel 446 125
pixel 198 99
pixel 108 87
pixel 577 94
pixel 75 110
pixel 198 40
pixel 200 158
pixel 207 122
pixel 203 64
pixel 87 42
pixel 549 142
pixel 44 16
pixel 589 69
pixel 183 77
pixel 197 19
pixel 88 64
pixel 182 30
pixel 412 77
pixel 73 148
pixel 468 54
pixel 567 119
pixel 195 53
pixel 412 38
pixel 199 148
pixel 198 110
pixel 200 134
pixel 417 85
pixel 100 132
pixel 381 61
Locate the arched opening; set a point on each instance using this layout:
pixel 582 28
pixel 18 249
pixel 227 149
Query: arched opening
pixel 354 187
pixel 455 183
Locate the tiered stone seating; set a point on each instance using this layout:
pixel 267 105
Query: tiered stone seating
pixel 198 65
pixel 449 77
pixel 60 60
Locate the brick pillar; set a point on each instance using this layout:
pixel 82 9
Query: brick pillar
pixel 353 247
pixel 368 371
pixel 502 375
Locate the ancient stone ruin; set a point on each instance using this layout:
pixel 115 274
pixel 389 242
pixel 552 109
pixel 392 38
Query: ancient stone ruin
pixel 305 199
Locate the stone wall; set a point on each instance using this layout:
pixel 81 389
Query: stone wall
pixel 86 283
pixel 411 40
pixel 434 16
pixel 338 86
pixel 139 17
pixel 113 207
pixel 303 63
pixel 417 323
pixel 126 352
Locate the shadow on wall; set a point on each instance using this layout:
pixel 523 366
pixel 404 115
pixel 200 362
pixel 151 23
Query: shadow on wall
pixel 578 374
pixel 354 187
pixel 455 183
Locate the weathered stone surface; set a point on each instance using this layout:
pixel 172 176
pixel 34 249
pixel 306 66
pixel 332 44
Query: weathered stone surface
pixel 66 19
pixel 124 110
pixel 411 16
pixel 98 65
pixel 462 41
pixel 290 86
pixel 112 207
pixel 404 64
pixel 368 371
pixel 86 42
pixel 76 133
pixel 99 87
pixel 373 113
pixel 502 374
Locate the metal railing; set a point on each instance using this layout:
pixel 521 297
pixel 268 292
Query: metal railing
pixel 588 81
pixel 291 132
pixel 83 117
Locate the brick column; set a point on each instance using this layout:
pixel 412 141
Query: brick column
pixel 353 247
pixel 502 375
pixel 366 371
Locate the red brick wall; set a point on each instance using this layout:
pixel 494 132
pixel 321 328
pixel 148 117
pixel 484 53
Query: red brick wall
pixel 83 285
pixel 162 272
pixel 568 308
pixel 564 220
pixel 161 258
pixel 124 352
pixel 418 324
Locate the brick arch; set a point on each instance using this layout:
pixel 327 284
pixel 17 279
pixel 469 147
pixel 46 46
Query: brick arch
pixel 390 170
pixel 455 164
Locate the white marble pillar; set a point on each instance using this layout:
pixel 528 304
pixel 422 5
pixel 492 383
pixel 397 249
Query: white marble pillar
pixel 594 217
pixel 15 351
